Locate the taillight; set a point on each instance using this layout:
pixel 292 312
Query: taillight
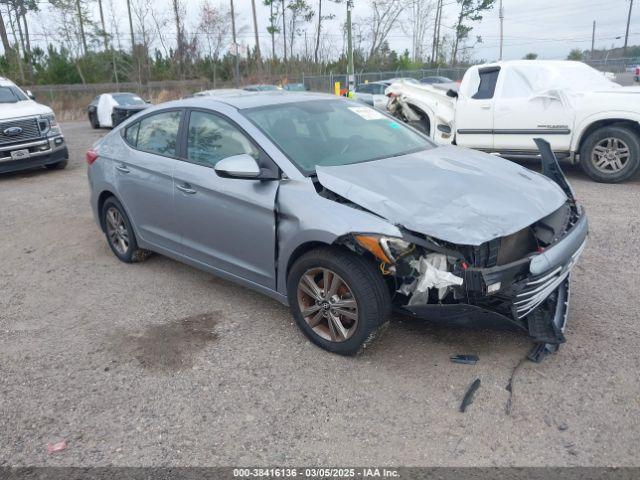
pixel 92 156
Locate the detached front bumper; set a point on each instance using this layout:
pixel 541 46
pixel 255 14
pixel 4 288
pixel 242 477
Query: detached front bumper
pixel 36 153
pixel 530 294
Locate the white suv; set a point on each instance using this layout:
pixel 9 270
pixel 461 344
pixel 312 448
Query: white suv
pixel 29 134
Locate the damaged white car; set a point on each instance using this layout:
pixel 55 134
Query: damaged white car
pixel 341 212
pixel 500 108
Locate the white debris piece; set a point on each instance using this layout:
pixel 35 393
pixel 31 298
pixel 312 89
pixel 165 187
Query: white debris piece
pixel 433 274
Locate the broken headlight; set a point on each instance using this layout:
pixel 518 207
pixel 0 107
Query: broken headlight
pixel 386 249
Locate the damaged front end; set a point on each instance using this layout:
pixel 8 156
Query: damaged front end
pixel 519 281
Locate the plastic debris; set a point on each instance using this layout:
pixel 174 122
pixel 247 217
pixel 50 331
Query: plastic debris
pixel 468 397
pixel 56 447
pixel 465 359
pixel 433 274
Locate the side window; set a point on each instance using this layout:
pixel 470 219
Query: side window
pixel 131 134
pixel 516 84
pixel 212 138
pixel 159 133
pixel 364 88
pixel 487 86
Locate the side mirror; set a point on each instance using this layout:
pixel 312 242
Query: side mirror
pixel 452 93
pixel 238 166
pixel 30 94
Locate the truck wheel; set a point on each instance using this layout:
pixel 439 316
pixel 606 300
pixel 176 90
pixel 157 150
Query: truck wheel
pixel 338 299
pixel 94 122
pixel 611 154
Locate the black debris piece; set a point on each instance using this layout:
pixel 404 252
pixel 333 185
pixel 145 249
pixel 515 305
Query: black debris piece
pixel 540 351
pixel 465 359
pixel 468 397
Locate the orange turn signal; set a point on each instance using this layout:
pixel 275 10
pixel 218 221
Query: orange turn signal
pixel 372 244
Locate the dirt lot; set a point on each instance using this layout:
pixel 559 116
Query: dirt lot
pixel 161 364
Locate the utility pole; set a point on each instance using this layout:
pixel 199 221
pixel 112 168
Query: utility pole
pixel 350 69
pixel 436 33
pixel 235 46
pixel 626 36
pixel 593 39
pixel 501 14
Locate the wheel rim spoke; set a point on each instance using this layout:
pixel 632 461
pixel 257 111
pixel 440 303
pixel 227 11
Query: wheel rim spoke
pixel 350 314
pixel 312 309
pixel 338 326
pixel 308 285
pixel 610 155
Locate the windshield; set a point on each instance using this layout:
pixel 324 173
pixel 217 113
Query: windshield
pixel 334 132
pixel 127 99
pixel 11 95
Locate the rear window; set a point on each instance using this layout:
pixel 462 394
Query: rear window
pixel 157 133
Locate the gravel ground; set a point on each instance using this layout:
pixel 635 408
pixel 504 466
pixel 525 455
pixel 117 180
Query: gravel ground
pixel 161 364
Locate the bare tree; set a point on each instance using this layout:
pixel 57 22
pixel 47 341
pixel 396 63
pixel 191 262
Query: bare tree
pixel 470 11
pixel 300 12
pixel 69 30
pixel 383 19
pixel 5 39
pixel 105 35
pixel 214 25
pixel 272 28
pixel 417 26
pixel 255 32
pixel 321 18
pixel 178 12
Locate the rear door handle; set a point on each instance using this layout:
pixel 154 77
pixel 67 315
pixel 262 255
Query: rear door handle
pixel 485 107
pixel 123 169
pixel 186 188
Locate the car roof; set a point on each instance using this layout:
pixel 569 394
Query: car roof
pixel 250 99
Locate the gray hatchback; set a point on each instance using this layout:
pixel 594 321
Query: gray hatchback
pixel 341 212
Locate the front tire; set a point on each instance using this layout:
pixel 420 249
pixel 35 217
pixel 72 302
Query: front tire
pixel 338 299
pixel 611 154
pixel 119 232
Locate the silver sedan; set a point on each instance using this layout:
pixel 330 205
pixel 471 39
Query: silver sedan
pixel 342 213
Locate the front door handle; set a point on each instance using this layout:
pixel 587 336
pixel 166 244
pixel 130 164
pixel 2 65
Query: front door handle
pixel 485 107
pixel 186 188
pixel 123 169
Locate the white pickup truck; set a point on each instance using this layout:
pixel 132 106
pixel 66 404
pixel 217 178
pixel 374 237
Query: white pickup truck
pixel 501 107
pixel 29 133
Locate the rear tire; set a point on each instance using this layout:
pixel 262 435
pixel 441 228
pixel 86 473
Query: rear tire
pixel 603 158
pixel 119 232
pixel 358 284
pixel 94 122
pixel 61 165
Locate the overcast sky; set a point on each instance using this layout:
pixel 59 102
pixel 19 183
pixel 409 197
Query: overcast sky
pixel 550 28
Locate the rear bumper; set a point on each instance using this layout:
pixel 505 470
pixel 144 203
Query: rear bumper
pixel 42 152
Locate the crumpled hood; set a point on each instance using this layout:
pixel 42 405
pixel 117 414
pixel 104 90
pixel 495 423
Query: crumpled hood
pixel 450 193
